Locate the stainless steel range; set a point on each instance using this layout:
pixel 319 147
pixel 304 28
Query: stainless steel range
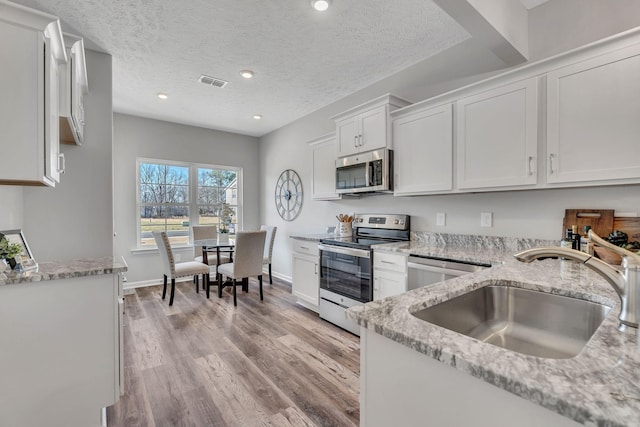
pixel 346 265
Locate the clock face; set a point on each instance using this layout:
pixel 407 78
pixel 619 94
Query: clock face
pixel 288 195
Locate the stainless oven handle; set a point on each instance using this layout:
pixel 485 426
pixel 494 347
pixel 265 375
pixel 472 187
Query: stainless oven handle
pixel 361 253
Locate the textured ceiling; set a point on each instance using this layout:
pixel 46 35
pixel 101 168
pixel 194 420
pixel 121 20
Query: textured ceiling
pixel 303 60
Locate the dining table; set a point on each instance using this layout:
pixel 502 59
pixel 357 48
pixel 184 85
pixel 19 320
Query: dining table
pixel 219 246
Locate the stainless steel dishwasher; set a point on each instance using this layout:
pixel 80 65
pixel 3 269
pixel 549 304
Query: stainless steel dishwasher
pixel 425 271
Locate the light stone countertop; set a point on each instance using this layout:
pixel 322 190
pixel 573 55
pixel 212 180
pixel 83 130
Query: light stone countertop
pixel 313 237
pixel 64 270
pixel 578 388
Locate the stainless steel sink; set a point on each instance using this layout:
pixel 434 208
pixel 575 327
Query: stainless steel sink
pixel 529 322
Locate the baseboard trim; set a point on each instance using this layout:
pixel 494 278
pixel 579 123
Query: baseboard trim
pixel 154 282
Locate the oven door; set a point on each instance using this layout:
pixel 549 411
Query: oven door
pixel 346 272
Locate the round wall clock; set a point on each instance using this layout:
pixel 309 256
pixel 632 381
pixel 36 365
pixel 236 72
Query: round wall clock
pixel 288 195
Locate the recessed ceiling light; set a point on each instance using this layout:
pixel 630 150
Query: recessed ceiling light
pixel 257 116
pixel 320 5
pixel 163 95
pixel 247 74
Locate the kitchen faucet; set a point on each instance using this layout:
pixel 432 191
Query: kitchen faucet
pixel 626 283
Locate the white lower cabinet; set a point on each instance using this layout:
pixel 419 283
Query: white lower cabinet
pixel 423 151
pixel 305 284
pixel 497 137
pixel 389 274
pixel 593 111
pixel 60 358
pixel 401 387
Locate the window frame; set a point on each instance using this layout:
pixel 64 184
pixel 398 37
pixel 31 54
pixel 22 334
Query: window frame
pixel 193 204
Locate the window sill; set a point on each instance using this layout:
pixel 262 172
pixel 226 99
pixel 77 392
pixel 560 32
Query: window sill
pixel 141 251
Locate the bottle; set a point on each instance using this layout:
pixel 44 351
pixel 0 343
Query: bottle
pixel 575 238
pixel 567 241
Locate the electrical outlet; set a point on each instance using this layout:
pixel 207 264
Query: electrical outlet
pixel 441 219
pixel 176 257
pixel 486 219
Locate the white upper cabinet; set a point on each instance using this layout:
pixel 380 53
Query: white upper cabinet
pixel 423 151
pixel 73 88
pixel 367 126
pixel 323 168
pixel 31 53
pixel 497 137
pixel 593 119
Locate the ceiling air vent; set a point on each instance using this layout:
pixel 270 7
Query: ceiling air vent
pixel 212 81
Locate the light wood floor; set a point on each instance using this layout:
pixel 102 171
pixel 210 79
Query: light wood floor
pixel 205 363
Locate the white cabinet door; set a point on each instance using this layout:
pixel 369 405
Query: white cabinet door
pixel 373 129
pixel 423 151
pixel 497 137
pixel 593 119
pixel 323 173
pixel 304 280
pixel 388 283
pixel 54 159
pixel 30 53
pixel 367 126
pixel 73 87
pixel 347 133
pixel 59 346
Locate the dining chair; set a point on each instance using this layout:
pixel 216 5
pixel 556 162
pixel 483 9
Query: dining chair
pixel 174 270
pixel 268 246
pixel 201 232
pixel 247 262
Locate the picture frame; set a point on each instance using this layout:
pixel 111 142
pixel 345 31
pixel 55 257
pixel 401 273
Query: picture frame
pixel 24 258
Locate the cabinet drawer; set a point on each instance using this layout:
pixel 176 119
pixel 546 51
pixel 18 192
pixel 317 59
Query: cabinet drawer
pixel 305 247
pixel 391 262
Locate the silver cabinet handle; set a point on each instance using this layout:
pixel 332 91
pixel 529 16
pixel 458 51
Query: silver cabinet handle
pixel 304 247
pixel 62 163
pixel 530 165
pixel 386 262
pixel 355 141
pixel 315 269
pixel 551 157
pixel 361 143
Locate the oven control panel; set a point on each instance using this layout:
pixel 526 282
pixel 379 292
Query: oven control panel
pixel 387 221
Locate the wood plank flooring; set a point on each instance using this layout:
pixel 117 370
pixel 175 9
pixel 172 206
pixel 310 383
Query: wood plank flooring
pixel 207 363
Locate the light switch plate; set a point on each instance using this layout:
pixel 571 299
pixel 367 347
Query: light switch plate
pixel 441 219
pixel 486 219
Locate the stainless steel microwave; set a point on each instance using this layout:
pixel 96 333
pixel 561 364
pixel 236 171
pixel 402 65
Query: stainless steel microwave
pixel 367 172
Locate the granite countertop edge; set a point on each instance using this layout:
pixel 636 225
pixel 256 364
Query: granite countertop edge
pixel 596 372
pixel 53 270
pixel 312 237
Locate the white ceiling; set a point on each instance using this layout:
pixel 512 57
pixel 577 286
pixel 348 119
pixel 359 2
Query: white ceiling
pixel 303 59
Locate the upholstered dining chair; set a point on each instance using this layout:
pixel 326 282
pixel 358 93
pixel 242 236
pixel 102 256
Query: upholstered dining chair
pixel 174 270
pixel 247 262
pixel 268 247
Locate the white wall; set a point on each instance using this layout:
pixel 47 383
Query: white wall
pixel 10 207
pixel 136 137
pixel 75 219
pixel 561 25
pixel 535 214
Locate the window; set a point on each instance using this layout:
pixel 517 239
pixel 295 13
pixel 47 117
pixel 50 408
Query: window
pixel 172 195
